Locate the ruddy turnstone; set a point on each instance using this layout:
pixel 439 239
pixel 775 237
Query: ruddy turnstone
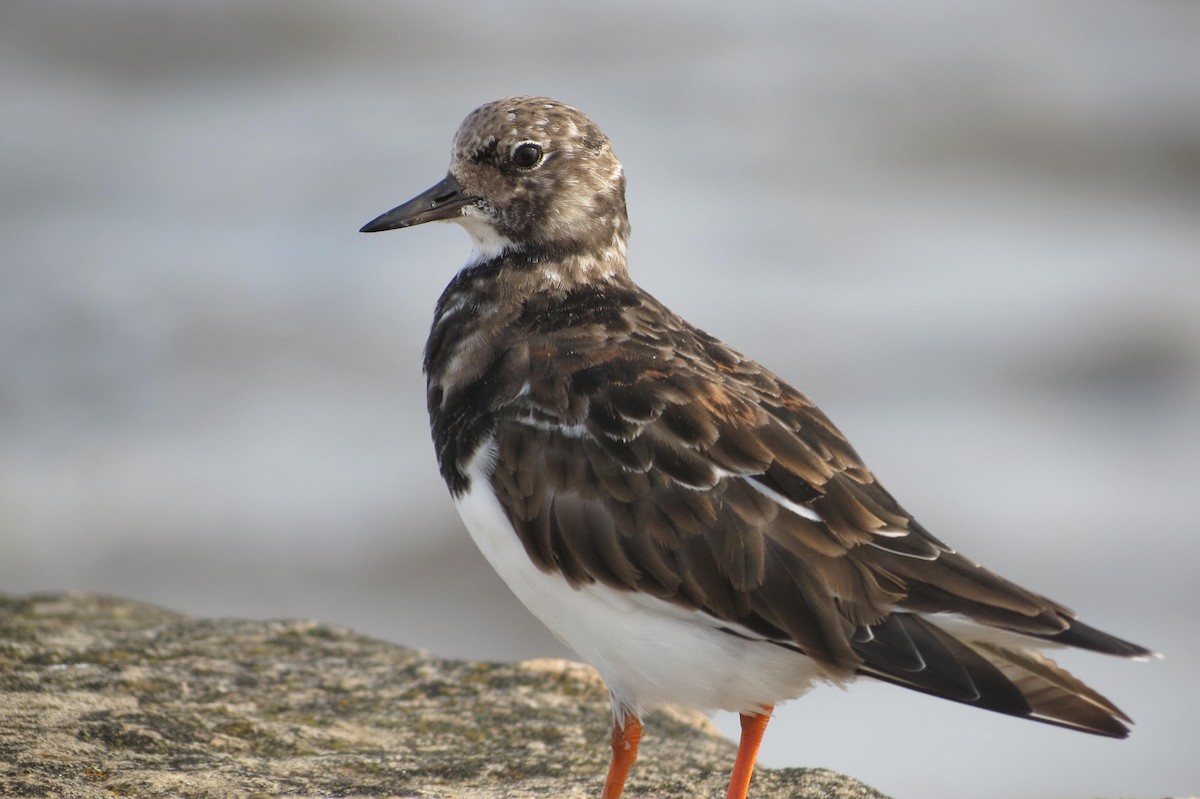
pixel 686 521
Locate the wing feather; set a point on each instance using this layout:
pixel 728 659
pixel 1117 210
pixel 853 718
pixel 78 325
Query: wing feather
pixel 655 458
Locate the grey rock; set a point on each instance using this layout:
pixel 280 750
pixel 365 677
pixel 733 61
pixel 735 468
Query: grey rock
pixel 103 697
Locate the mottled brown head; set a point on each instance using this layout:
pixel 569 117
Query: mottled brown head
pixel 529 175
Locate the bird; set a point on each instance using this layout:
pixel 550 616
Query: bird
pixel 681 517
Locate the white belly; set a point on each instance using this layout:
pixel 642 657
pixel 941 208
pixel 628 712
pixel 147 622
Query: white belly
pixel 647 650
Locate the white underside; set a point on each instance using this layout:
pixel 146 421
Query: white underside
pixel 647 650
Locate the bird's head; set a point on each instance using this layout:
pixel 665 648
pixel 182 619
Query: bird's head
pixel 530 176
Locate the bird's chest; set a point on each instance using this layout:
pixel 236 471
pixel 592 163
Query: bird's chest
pixel 470 376
pixel 480 371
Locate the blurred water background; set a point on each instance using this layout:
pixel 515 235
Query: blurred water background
pixel 970 231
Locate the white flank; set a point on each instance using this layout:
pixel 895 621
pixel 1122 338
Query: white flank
pixel 647 650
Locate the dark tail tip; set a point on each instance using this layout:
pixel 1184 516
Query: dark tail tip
pixel 1087 637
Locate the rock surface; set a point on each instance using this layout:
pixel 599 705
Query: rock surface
pixel 103 697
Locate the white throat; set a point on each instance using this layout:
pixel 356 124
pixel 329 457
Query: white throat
pixel 487 243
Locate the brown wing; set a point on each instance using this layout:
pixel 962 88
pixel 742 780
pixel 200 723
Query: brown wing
pixel 654 458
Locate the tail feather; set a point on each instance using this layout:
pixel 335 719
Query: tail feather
pixel 1054 694
pixel 1011 679
pixel 1084 636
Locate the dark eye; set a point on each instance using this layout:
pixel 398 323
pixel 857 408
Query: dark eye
pixel 527 155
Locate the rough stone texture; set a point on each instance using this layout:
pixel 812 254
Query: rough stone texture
pixel 103 697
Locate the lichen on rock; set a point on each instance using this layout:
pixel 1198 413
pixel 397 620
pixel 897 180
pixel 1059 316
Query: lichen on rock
pixel 104 697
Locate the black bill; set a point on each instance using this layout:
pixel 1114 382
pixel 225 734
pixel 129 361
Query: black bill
pixel 444 201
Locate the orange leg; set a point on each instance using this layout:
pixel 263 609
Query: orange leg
pixel 753 727
pixel 625 740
